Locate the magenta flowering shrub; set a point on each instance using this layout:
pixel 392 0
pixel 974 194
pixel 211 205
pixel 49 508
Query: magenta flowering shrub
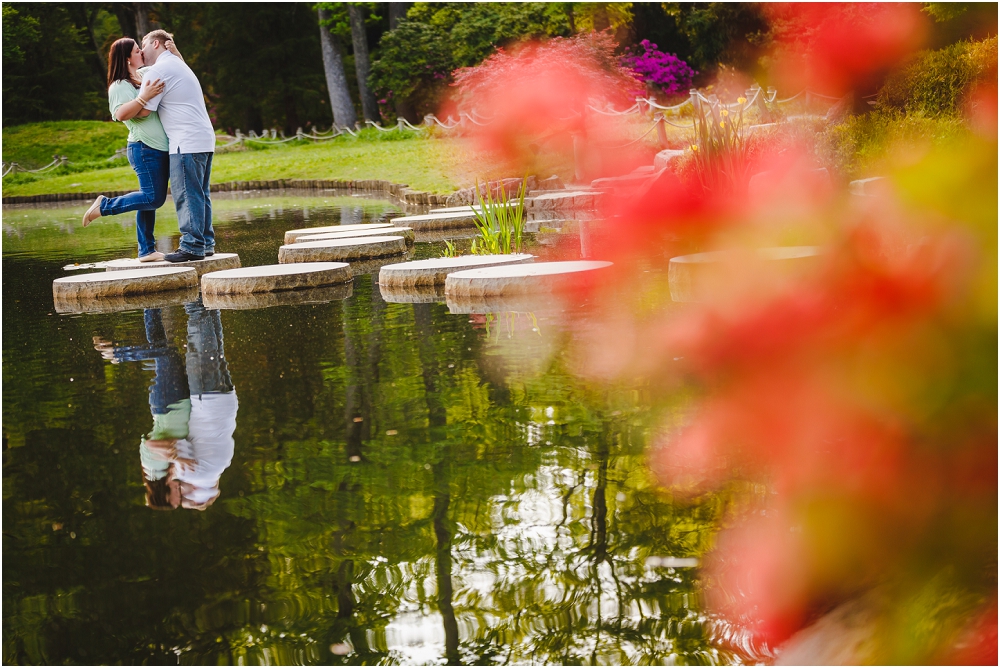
pixel 664 71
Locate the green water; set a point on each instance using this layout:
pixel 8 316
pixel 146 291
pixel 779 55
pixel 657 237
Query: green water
pixel 407 485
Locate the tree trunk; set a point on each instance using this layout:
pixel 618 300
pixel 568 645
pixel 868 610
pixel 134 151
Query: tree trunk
pixel 126 19
pixel 336 81
pixel 142 26
pixel 397 12
pixel 361 65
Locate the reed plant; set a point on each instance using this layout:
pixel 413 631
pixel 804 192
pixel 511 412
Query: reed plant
pixel 499 220
pixel 721 146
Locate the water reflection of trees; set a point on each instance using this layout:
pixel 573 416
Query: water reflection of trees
pixel 398 482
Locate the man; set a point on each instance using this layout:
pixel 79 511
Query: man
pixel 182 111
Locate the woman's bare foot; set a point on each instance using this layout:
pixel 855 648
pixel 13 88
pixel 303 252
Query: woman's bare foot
pixel 94 212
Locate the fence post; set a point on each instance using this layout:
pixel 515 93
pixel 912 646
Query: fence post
pixel 578 149
pixel 661 129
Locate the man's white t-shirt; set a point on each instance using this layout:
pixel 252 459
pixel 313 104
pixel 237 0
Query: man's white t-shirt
pixel 181 106
pixel 209 443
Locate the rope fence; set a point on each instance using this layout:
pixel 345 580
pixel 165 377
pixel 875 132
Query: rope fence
pixel 755 96
pixel 57 161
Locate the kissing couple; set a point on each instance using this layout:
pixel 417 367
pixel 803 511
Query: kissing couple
pixel 153 91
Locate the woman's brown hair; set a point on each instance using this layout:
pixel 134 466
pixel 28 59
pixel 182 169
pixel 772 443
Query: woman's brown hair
pixel 118 61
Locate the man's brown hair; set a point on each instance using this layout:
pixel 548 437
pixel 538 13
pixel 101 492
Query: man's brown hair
pixel 159 35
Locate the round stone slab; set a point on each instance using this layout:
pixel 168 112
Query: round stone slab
pixel 437 221
pixel 695 277
pixel 435 270
pixel 522 303
pixel 284 298
pixel 404 232
pixel 117 303
pixel 292 235
pixel 430 236
pixel 341 250
pixel 518 279
pixel 375 265
pixel 423 294
pixel 217 262
pixel 82 287
pixel 275 277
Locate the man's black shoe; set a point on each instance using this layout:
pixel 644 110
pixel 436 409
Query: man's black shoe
pixel 209 253
pixel 182 256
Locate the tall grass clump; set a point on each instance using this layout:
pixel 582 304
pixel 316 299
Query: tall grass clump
pixel 499 220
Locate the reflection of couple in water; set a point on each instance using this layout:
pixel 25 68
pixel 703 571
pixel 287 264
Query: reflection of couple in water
pixel 194 410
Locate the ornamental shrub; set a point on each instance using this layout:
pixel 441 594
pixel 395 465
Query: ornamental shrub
pixel 937 81
pixel 663 71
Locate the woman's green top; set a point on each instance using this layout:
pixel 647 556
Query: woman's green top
pixel 148 130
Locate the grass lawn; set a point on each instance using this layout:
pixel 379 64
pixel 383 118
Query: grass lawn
pixel 423 164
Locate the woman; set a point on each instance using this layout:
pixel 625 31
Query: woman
pixel 147 145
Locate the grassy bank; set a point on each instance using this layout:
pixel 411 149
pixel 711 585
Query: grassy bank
pixel 423 164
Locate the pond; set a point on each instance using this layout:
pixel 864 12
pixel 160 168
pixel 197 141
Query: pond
pixel 406 484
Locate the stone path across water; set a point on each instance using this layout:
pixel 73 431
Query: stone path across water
pixel 422 294
pixel 217 262
pixel 695 277
pixel 437 221
pixel 434 271
pixel 292 235
pixel 404 232
pixel 342 250
pixel 275 277
pixel 116 303
pixel 119 283
pixel 282 298
pixel 517 279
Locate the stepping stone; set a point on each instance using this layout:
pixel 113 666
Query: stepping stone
pixel 275 277
pixel 82 287
pixel 434 271
pixel 404 232
pixel 522 303
pixel 342 250
pixel 694 278
pixel 117 303
pixel 292 235
pixel 568 199
pixel 217 262
pixel 437 221
pixel 468 208
pixel 374 266
pixel 423 294
pixel 430 236
pixel 283 298
pixel 519 278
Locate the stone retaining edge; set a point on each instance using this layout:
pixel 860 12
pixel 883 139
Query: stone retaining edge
pixel 398 191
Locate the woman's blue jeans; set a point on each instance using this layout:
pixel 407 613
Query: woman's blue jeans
pixel 153 169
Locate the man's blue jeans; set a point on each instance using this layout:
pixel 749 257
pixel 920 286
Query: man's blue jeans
pixel 190 175
pixel 152 167
pixel 207 369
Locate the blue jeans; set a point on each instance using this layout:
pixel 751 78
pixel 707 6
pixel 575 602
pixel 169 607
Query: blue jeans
pixel 170 383
pixel 190 174
pixel 152 168
pixel 207 369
